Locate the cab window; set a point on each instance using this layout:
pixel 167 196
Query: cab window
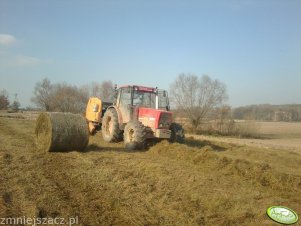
pixel 125 96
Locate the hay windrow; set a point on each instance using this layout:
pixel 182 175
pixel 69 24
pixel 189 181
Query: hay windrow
pixel 61 132
pixel 206 157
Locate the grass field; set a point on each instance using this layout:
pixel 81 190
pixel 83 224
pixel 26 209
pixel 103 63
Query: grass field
pixel 201 182
pixel 280 129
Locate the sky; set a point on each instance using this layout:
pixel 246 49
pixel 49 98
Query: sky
pixel 252 46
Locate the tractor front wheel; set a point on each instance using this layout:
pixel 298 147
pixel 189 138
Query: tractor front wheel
pixel 177 133
pixel 110 126
pixel 134 135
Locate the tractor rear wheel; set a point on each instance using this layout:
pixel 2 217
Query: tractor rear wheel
pixel 177 133
pixel 110 126
pixel 134 135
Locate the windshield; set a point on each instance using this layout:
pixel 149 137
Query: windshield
pixel 144 99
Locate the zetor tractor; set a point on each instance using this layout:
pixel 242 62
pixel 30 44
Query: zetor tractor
pixel 139 114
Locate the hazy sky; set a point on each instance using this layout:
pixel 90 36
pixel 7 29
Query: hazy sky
pixel 253 46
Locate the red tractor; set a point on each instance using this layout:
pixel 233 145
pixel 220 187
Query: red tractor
pixel 139 114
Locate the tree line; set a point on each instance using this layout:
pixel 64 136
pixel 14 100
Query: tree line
pixel 6 104
pixel 267 112
pixel 197 99
pixel 200 100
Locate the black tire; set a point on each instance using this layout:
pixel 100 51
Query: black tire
pixel 177 133
pixel 110 126
pixel 134 135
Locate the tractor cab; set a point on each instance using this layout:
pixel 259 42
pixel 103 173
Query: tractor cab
pixel 142 96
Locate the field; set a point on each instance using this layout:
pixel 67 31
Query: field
pixel 203 182
pixel 274 135
pixel 280 129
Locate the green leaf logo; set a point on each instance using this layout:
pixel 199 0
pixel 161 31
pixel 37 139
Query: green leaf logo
pixel 282 214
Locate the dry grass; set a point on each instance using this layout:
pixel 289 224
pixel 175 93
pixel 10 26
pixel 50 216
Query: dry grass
pixel 246 129
pixel 270 135
pixel 197 183
pixel 29 115
pixel 280 129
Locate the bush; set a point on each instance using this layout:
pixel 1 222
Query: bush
pixel 246 129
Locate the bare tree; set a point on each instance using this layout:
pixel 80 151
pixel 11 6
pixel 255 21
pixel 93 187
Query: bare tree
pixel 223 119
pixel 43 92
pixel 67 98
pixel 4 102
pixel 104 90
pixel 95 89
pixel 107 91
pixel 197 96
pixel 59 97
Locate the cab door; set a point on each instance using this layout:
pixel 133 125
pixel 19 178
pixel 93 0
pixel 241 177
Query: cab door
pixel 124 103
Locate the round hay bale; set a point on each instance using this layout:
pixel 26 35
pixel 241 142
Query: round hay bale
pixel 61 132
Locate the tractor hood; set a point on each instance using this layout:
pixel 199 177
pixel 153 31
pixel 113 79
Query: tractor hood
pixel 155 118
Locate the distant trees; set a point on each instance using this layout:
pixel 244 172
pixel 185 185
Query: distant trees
pixel 267 112
pixel 16 104
pixel 59 97
pixel 107 91
pixel 67 98
pixel 4 102
pixel 197 96
pixel 104 90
